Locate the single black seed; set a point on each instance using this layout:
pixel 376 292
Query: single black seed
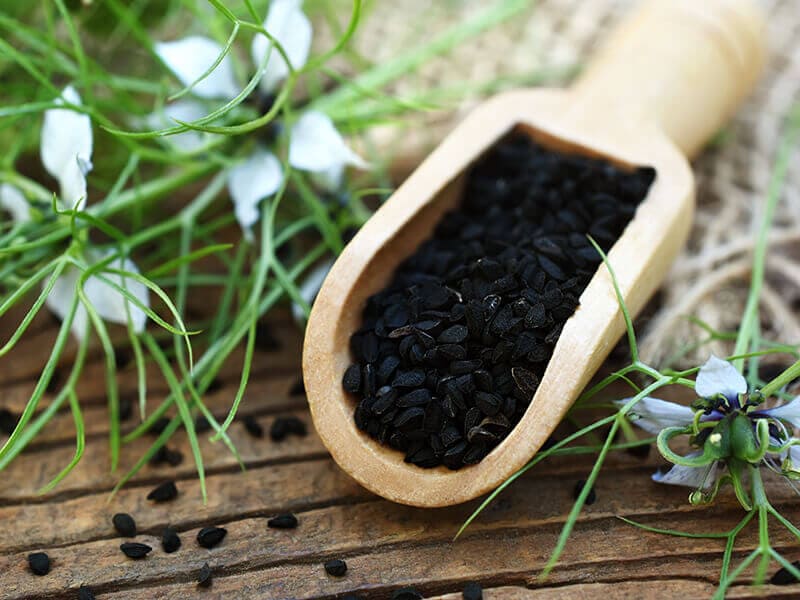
pixel 579 485
pixel 164 492
pixel 158 427
pixel 266 341
pixel 298 388
pixel 252 426
pixel 285 426
pixel 125 408
pixel 135 550
pixel 453 335
pixel 39 563
pixel 352 379
pixel 167 455
pixel 336 567
pixel 208 537
pixel 783 577
pixel 472 591
pixel 413 378
pixel 407 593
pixel 124 524
pixel 285 521
pixel 8 421
pixel 201 424
pixel 170 542
pixel 85 593
pixel 204 577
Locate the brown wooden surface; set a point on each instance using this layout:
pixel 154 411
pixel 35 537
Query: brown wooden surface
pixel 386 546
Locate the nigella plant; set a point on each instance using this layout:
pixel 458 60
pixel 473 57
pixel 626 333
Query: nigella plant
pixel 732 431
pixel 162 154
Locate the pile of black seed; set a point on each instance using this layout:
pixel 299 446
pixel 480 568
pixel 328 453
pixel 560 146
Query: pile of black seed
pixel 451 352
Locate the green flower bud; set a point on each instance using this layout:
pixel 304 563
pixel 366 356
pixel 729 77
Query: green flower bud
pixel 743 439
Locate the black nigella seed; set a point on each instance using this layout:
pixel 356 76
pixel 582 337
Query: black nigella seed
pixel 284 426
pixel 407 593
pixel 164 492
pixel 124 524
pixel 266 341
pixel 352 379
pixel 466 326
pixel 135 550
pixel 39 563
pixel 252 426
pixel 125 409
pixel 208 537
pixel 204 577
pixel 158 427
pixel 783 577
pixel 298 388
pixel 170 542
pixel 472 591
pixel 336 567
pixel 201 424
pixel 167 455
pixel 8 421
pixel 579 485
pixel 285 521
pixel 85 593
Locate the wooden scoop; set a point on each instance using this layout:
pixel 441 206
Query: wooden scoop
pixel 667 80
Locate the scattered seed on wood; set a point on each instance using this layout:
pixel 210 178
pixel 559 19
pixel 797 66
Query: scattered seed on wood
pixel 208 537
pixel 298 388
pixel 472 591
pixel 576 491
pixel 135 550
pixel 284 426
pixel 170 542
pixel 407 593
pixel 39 563
pixel 783 577
pixel 158 427
pixel 252 426
pixel 266 341
pixel 164 492
pixel 285 521
pixel 124 524
pixel 466 327
pixel 8 421
pixel 336 567
pixel 167 455
pixel 204 577
pixel 85 593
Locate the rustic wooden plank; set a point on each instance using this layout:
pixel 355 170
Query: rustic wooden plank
pixel 417 539
pixel 262 397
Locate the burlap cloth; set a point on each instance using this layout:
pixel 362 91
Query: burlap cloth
pixel 710 279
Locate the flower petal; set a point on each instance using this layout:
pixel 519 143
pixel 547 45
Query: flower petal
pixel 60 298
pixel 694 477
pixel 66 147
pixel 108 302
pixel 718 376
pixel 190 57
pixel 789 412
pixel 291 28
pixel 653 415
pixel 14 202
pixel 315 145
pixel 309 289
pixel 250 182
pixel 186 111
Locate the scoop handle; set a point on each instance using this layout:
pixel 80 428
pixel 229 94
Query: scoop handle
pixel 686 64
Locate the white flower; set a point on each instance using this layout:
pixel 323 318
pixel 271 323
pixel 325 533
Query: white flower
pixel 695 477
pixel 190 57
pixel 718 376
pixel 291 28
pixel 14 202
pixel 105 299
pixel 314 145
pixel 653 415
pixel 251 181
pixel 309 289
pixel 66 148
